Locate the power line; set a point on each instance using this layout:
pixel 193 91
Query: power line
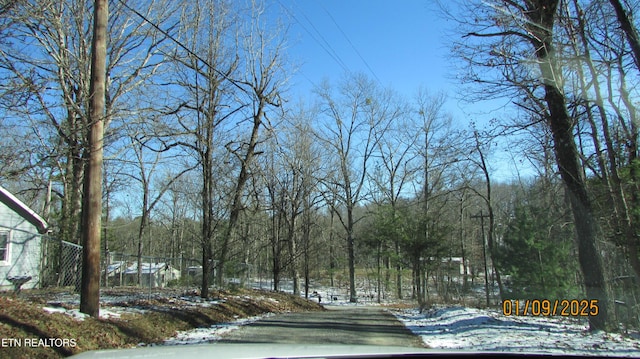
pixel 351 43
pixel 341 62
pixel 324 44
pixel 165 33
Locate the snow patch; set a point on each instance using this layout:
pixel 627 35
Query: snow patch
pixel 212 333
pixel 112 312
pixel 489 330
pixel 73 313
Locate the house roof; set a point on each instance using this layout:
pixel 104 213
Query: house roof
pixel 147 268
pixel 23 210
pixel 115 266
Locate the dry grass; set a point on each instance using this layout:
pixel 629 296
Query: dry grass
pixel 24 319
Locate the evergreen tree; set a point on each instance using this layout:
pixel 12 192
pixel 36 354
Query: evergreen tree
pixel 537 256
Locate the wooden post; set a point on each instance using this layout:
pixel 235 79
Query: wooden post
pixel 484 254
pixel 92 200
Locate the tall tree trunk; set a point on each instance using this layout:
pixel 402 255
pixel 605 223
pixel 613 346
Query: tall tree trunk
pixel 631 132
pixel 332 263
pixel 275 242
pixel 293 260
pixel 541 14
pixel 465 274
pixel 623 217
pixel 243 176
pixel 398 270
pixel 306 236
pixel 275 251
pixel 143 226
pixel 107 213
pixel 70 230
pixel 206 268
pixel 379 270
pixel 629 30
pixel 207 215
pixel 351 256
pixel 490 241
pixel 417 281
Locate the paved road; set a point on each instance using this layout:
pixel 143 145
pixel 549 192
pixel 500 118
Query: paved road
pixel 337 325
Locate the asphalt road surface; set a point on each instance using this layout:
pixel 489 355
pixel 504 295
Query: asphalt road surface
pixel 337 325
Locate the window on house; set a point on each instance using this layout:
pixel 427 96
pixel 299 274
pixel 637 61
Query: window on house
pixel 4 246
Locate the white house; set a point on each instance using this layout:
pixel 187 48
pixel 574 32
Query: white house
pixel 153 274
pixel 115 272
pixel 20 242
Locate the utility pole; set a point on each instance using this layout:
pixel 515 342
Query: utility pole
pixel 484 254
pixel 92 200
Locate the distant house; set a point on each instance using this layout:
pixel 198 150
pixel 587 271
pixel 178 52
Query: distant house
pixel 115 272
pixel 195 272
pixel 153 274
pixel 453 266
pixel 20 242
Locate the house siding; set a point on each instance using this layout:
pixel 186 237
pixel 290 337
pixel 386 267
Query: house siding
pixel 24 249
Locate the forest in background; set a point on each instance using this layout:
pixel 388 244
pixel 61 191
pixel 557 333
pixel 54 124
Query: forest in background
pixel 208 156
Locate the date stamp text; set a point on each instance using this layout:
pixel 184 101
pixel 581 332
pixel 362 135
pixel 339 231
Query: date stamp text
pixel 549 308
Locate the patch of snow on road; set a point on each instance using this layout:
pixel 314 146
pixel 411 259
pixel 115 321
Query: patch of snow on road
pixel 212 333
pixel 489 330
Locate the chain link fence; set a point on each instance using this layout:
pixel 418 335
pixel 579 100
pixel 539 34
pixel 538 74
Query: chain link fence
pixel 121 269
pixel 61 263
pixel 61 266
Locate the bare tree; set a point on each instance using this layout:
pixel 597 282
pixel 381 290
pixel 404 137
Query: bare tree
pixel 49 69
pixel 481 162
pixel 630 30
pixel 397 153
pixel 510 33
pixel 355 119
pixel 263 80
pixel 600 121
pixel 437 148
pixel 232 68
pixel 206 99
pixel 288 171
pixel 276 206
pixel 147 167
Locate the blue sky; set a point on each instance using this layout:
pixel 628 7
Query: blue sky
pixel 398 42
pixel 401 43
